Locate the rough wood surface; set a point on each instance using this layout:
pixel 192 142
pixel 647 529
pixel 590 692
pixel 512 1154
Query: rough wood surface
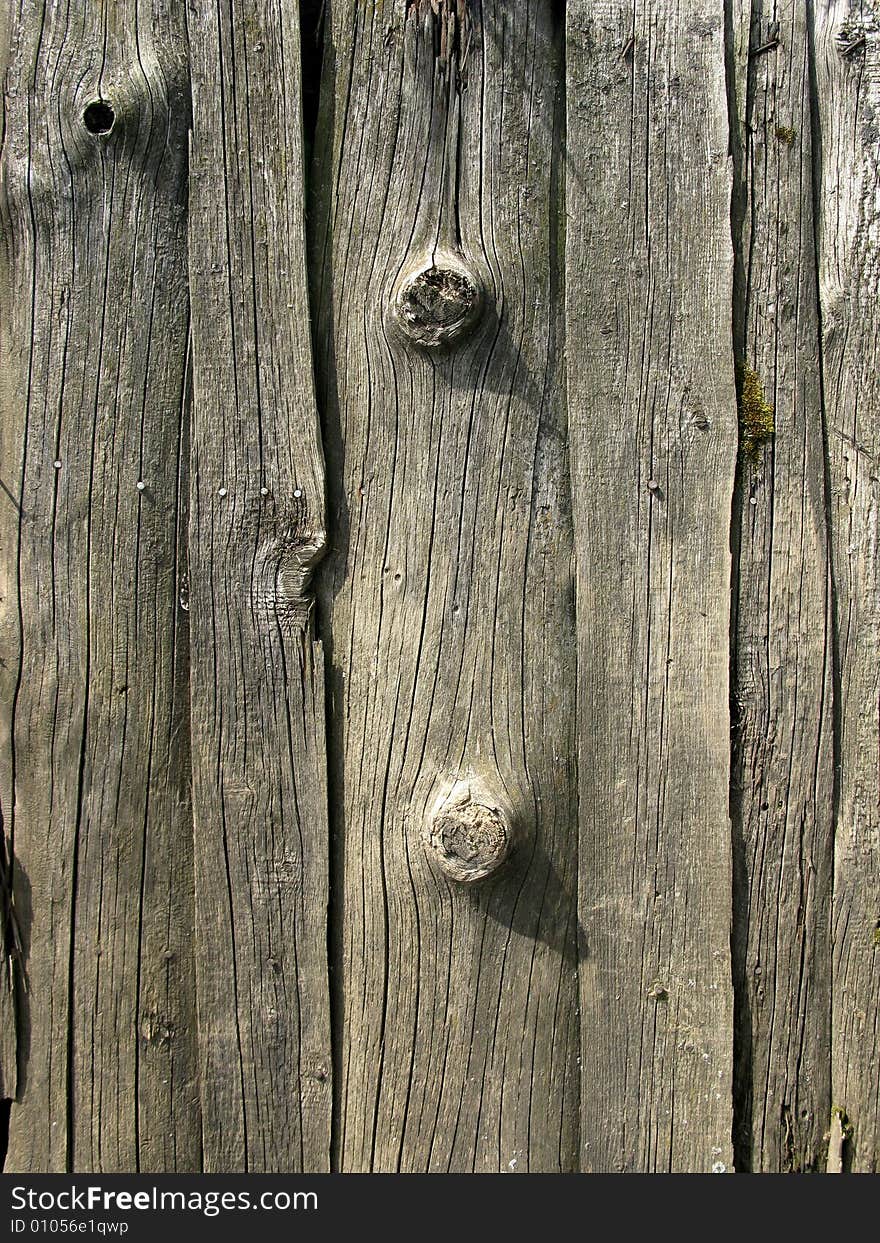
pixel 256 531
pixel 447 590
pixel 847 50
pixel 575 922
pixel 652 413
pixel 95 767
pixel 782 789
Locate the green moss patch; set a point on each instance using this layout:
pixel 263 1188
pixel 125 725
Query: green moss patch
pixel 756 421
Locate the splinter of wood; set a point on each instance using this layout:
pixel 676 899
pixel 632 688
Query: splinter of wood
pixel 853 46
pixel 438 301
pixel 468 837
pixel 837 1137
pixel 765 47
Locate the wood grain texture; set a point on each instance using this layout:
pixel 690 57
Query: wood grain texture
pixel 652 413
pixel 592 758
pixel 10 963
pixel 783 778
pixel 95 776
pixel 847 49
pixel 447 590
pixel 256 531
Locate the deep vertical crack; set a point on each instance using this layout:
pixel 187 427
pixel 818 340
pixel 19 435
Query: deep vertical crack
pixel 836 693
pixel 314 20
pixel 742 1025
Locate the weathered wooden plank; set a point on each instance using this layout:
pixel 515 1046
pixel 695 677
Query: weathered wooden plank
pixel 256 530
pixel 9 645
pixel 847 43
pixel 448 586
pixel 95 781
pixel 652 412
pixel 783 775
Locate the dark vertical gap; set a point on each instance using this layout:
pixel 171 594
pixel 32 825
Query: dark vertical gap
pixel 318 95
pixel 182 676
pixel 311 33
pixel 569 1161
pixel 185 474
pixel 10 980
pixel 74 885
pixel 5 1111
pixel 836 697
pixel 742 1018
pixel 181 645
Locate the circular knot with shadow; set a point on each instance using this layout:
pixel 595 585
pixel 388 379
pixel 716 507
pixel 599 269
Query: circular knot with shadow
pixel 467 837
pixel 438 302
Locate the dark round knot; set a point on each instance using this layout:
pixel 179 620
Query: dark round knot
pixel 437 303
pixel 467 837
pixel 99 116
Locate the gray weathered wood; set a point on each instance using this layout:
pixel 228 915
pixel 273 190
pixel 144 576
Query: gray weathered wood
pixel 553 913
pixel 652 413
pixel 256 531
pixel 782 794
pixel 847 47
pixel 10 964
pixel 448 590
pixel 95 768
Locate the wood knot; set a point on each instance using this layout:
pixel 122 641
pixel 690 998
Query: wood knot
pixel 156 1030
pixel 468 836
pixel 282 573
pixel 99 116
pixel 438 302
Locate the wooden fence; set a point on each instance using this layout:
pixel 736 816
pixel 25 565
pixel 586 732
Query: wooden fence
pixel 440 610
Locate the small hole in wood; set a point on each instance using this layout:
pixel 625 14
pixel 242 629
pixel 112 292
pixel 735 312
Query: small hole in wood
pixel 98 117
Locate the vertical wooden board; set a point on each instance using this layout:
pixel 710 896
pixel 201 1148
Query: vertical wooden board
pixel 95 763
pixel 256 531
pixel 783 777
pixel 448 588
pixel 847 43
pixel 652 412
pixel 10 965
